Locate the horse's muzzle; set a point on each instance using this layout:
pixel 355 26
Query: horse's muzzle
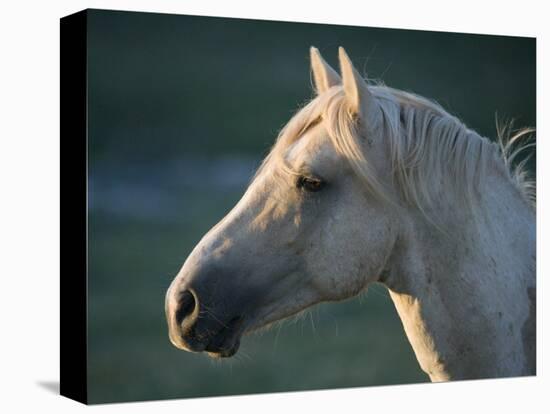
pixel 193 326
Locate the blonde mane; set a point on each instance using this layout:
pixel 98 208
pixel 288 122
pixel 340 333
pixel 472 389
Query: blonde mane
pixel 431 151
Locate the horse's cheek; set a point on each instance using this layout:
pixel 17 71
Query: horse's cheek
pixel 328 260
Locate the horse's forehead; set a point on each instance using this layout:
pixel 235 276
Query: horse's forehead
pixel 312 149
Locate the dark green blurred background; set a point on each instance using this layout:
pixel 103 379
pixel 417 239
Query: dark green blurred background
pixel 181 111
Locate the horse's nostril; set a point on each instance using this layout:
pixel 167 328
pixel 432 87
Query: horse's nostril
pixel 186 306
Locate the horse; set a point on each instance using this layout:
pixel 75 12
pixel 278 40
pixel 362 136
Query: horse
pixel 366 184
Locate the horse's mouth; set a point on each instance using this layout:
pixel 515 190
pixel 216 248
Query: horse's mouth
pixel 226 342
pixel 225 352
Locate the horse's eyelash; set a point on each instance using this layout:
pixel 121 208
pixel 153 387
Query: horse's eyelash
pixel 301 182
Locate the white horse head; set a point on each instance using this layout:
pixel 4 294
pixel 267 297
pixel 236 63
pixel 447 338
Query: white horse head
pixel 364 184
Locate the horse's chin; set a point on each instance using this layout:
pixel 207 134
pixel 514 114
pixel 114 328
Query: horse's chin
pixel 226 343
pixel 225 352
pixel 229 345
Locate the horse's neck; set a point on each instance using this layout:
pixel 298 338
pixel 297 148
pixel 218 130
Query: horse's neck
pixel 467 300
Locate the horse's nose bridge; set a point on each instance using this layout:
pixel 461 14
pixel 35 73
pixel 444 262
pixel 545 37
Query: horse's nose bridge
pixel 206 277
pixel 217 241
pixel 203 260
pixel 235 232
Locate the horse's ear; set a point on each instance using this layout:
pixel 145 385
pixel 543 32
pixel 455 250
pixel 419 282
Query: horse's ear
pixel 323 75
pixel 360 98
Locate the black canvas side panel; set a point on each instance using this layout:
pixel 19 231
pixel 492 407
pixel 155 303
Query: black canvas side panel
pixel 73 96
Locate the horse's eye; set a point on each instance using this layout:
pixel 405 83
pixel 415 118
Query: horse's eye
pixel 309 184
